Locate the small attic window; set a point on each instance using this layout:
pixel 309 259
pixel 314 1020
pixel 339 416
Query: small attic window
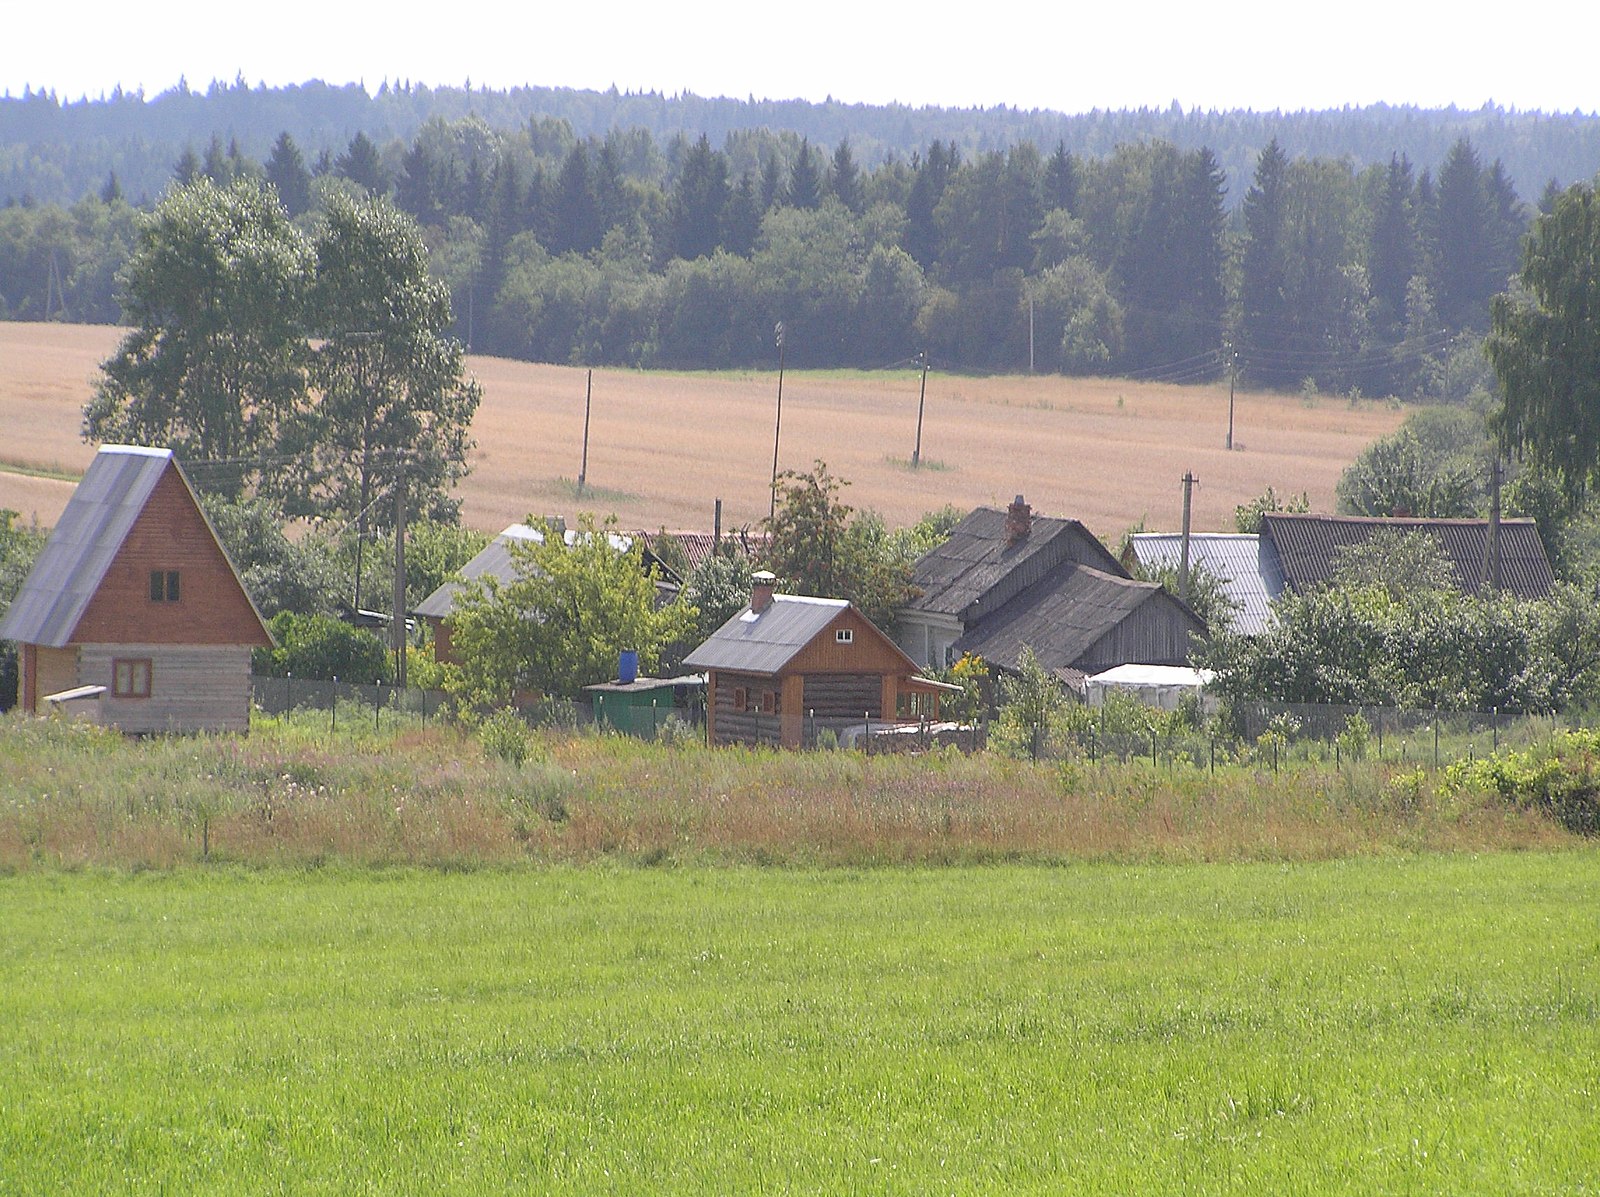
pixel 844 636
pixel 163 586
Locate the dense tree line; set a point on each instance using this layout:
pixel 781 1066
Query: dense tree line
pixel 619 249
pixel 58 150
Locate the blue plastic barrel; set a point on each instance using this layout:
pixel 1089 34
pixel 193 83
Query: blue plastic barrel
pixel 627 666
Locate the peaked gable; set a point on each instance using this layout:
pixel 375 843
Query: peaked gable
pixel 978 569
pixel 787 634
pixel 133 513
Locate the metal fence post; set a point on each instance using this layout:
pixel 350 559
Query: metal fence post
pixel 335 726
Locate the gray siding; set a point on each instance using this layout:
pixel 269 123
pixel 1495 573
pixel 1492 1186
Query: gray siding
pixel 192 687
pixel 1157 633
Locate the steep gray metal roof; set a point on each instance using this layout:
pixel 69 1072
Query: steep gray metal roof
pixel 83 543
pixel 977 569
pixel 1305 548
pixel 765 643
pixel 1233 558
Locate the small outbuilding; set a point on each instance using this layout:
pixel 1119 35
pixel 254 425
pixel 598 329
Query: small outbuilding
pixel 640 705
pixel 133 592
pixel 789 665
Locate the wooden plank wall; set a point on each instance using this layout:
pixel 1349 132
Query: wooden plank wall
pixel 169 534
pixel 192 687
pixel 56 669
pixel 1157 633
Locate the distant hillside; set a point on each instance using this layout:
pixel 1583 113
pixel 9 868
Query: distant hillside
pixel 55 152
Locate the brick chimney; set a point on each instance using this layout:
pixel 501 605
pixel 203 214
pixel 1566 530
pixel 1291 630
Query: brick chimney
pixel 761 591
pixel 1019 519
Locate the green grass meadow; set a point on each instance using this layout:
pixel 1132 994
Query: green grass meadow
pixel 1379 1024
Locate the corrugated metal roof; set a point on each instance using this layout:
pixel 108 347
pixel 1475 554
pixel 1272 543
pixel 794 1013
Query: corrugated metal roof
pixel 96 521
pixel 765 643
pixel 700 547
pixel 1305 548
pixel 1060 618
pixel 976 570
pixel 1233 558
pixel 495 562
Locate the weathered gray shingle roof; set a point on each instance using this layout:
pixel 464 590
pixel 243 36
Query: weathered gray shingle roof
pixel 96 521
pixel 1233 558
pixel 976 570
pixel 765 643
pixel 1060 618
pixel 1305 547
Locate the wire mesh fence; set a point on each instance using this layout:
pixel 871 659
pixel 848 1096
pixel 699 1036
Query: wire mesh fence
pixel 1268 736
pixel 275 697
pixel 1274 735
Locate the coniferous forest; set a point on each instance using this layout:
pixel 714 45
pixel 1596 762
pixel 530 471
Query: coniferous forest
pixel 1355 249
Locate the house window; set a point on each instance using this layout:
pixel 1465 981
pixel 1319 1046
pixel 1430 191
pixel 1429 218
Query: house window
pixel 163 586
pixel 741 699
pixel 769 702
pixel 844 636
pixel 130 678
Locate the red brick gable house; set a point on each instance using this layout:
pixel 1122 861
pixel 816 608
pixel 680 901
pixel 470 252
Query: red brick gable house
pixel 134 592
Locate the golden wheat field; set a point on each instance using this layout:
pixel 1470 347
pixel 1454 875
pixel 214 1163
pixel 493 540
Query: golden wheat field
pixel 663 447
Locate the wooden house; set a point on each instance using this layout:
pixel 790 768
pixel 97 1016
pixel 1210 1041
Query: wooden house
pixel 1007 580
pixel 788 665
pixel 497 562
pixel 134 592
pixel 1301 552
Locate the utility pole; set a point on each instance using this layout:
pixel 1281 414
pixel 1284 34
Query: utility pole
pixel 1233 374
pixel 397 627
pixel 1030 332
pixel 1189 483
pixel 588 399
pixel 777 426
pixel 1491 546
pixel 922 398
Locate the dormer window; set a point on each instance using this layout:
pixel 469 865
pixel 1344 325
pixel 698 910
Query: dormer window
pixel 163 586
pixel 844 636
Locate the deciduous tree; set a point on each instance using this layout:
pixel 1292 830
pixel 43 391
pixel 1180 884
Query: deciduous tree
pixel 216 362
pixel 1545 345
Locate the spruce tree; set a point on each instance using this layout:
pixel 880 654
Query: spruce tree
pixel 1464 272
pixel 286 171
pixel 1265 324
pixel 698 200
pixel 1392 248
pixel 361 165
pixel 844 179
pixel 1061 180
pixel 805 178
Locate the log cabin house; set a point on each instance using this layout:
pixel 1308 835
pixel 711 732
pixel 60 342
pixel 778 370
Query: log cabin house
pixel 789 665
pixel 134 592
pixel 1008 580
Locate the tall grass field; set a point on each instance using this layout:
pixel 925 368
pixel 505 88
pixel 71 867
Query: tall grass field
pixel 1395 1024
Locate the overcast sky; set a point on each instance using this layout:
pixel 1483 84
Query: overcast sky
pixel 1259 54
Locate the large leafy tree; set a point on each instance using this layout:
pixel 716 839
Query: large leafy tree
pixel 216 362
pixel 394 398
pixel 574 604
pixel 1545 345
pixel 815 547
